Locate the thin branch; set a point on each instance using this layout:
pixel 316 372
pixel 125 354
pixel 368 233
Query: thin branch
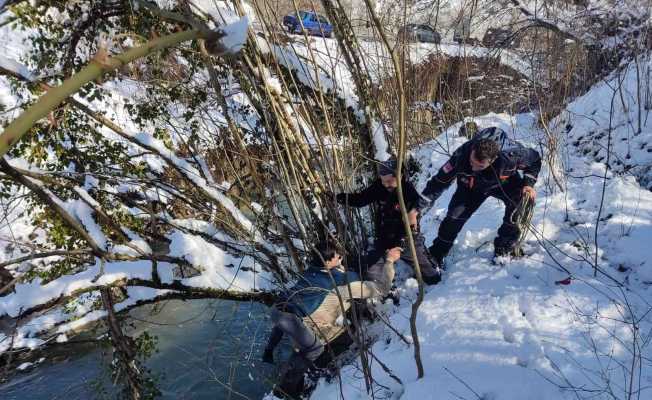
pixel 46 254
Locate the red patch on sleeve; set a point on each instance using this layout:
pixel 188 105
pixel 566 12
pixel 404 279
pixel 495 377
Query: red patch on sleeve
pixel 447 167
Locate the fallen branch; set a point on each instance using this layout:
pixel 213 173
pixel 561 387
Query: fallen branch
pixel 176 285
pixel 46 254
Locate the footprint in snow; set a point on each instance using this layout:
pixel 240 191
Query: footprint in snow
pixel 527 346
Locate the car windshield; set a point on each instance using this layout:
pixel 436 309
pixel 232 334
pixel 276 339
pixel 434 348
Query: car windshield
pixel 426 28
pixel 302 14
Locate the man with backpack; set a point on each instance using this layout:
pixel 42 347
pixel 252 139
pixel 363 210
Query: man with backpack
pixel 489 165
pixel 391 231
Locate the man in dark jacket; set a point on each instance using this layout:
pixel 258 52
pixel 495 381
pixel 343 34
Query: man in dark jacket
pixel 482 170
pixel 391 230
pixel 310 312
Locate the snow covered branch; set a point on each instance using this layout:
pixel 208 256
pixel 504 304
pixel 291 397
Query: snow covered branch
pixel 56 204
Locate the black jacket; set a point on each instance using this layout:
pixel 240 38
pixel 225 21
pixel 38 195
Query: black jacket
pixel 504 169
pixel 390 223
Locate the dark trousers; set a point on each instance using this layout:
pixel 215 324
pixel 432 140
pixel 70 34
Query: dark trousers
pixel 309 349
pixel 464 203
pixel 376 259
pixel 308 344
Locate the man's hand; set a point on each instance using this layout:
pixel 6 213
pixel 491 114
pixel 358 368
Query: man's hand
pixel 393 254
pixel 529 191
pixel 412 217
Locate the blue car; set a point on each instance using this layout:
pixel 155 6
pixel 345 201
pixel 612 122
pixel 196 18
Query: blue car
pixel 313 24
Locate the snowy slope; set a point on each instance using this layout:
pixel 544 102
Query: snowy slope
pixel 615 114
pixel 510 332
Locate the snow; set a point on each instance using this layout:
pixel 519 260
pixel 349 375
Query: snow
pixel 501 332
pixel 80 323
pixel 236 35
pixel 193 174
pixel 421 51
pixel 84 214
pixel 509 332
pixel 30 294
pixel 317 64
pixel 14 66
pixel 588 130
pixel 380 141
pixel 219 269
pixel 24 366
pixel 14 42
pixel 74 320
pixel 136 242
pixel 140 293
pixel 223 11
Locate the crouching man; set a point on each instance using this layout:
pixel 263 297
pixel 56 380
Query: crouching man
pixel 391 231
pixel 484 167
pixel 310 312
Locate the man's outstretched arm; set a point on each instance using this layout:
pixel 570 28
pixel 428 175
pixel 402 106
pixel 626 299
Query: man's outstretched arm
pixel 445 176
pixel 359 199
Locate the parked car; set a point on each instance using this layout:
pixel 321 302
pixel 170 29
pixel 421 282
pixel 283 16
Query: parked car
pixel 499 37
pixel 419 33
pixel 466 40
pixel 313 23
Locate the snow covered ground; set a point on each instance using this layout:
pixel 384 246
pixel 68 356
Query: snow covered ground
pixel 615 115
pixel 525 330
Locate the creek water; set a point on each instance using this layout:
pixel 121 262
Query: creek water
pixel 205 349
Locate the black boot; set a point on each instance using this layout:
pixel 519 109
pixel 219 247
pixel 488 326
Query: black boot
pixel 291 387
pixel 513 252
pixel 293 380
pixel 436 256
pixel 433 278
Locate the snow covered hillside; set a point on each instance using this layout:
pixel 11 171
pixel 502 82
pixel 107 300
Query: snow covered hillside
pixel 611 123
pixel 543 327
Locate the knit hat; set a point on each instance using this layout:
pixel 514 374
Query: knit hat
pixel 387 167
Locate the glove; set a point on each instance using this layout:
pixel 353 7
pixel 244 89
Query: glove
pixel 341 198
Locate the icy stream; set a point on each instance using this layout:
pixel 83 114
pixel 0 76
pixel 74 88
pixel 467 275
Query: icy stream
pixel 205 349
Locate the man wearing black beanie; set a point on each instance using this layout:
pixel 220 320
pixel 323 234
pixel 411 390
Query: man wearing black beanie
pixel 391 231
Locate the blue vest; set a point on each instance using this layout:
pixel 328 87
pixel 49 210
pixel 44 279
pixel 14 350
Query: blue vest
pixel 311 289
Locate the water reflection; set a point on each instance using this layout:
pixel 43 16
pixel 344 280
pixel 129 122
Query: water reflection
pixel 204 349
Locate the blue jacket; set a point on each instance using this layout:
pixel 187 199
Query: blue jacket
pixel 310 291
